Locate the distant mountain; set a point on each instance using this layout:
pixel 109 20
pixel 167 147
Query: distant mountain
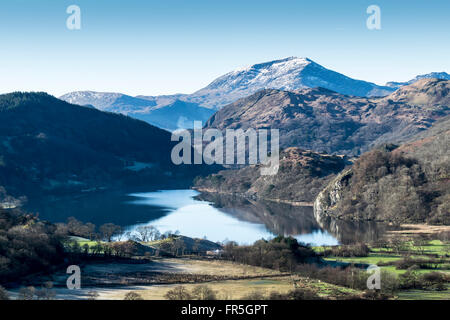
pixel 164 100
pixel 109 101
pixel 51 146
pixel 177 115
pixel 322 120
pixel 287 74
pixel 436 75
pixel 165 112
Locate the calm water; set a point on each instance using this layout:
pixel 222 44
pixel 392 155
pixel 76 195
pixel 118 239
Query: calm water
pixel 216 217
pixel 199 218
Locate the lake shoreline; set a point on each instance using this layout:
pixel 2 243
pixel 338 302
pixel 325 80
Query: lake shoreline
pixel 290 202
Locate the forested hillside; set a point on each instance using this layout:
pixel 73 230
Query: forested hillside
pixel 48 145
pixel 409 183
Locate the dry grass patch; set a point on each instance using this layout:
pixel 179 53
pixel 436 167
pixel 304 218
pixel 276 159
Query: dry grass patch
pixel 226 268
pixel 225 290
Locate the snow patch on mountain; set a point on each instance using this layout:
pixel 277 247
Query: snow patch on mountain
pixel 287 74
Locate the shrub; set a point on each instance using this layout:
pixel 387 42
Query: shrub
pixel 133 296
pixel 303 294
pixel 409 262
pixel 281 253
pixel 178 293
pixel 428 281
pixel 203 293
pixel 434 281
pixel 356 250
pixel 409 279
pixel 374 295
pixel 254 295
pixel 297 294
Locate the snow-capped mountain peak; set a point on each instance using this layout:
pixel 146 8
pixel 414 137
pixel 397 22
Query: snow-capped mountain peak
pixel 291 73
pixel 277 73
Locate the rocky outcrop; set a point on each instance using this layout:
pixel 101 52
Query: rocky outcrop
pixel 301 176
pixel 328 198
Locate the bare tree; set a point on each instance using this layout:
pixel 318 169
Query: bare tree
pixel 203 292
pixel 90 230
pixel 109 230
pixel 178 293
pixel 133 296
pixel 146 233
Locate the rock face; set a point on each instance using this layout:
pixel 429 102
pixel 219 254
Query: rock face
pixel 323 120
pixel 329 197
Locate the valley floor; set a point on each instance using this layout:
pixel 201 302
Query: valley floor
pixel 230 281
pixel 113 278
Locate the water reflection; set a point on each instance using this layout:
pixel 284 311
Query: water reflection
pixel 348 232
pixel 220 217
pixel 97 208
pixel 216 217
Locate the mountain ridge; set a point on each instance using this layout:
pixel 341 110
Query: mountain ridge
pixel 290 73
pixel 323 120
pixel 437 75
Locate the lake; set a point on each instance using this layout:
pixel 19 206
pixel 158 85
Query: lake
pixel 196 217
pixel 211 216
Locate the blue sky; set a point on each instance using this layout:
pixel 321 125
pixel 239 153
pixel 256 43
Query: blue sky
pixel 161 47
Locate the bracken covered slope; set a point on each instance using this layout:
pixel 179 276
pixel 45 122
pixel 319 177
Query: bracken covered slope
pixel 326 121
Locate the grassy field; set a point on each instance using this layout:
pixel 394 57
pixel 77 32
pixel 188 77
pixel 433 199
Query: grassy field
pixel 424 295
pixel 227 290
pixel 240 289
pixel 242 280
pixel 380 256
pixel 82 241
pixel 386 258
pixel 215 267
